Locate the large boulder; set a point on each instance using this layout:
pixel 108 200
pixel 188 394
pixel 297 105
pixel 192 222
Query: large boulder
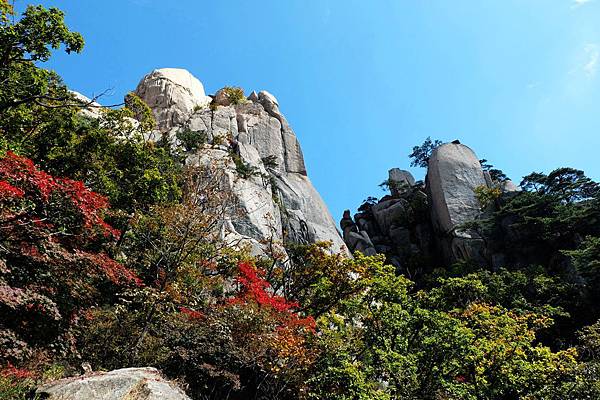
pixel 121 384
pixel 399 179
pixel 453 174
pixel 173 94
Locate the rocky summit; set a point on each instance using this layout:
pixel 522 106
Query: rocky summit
pixel 430 220
pixel 252 145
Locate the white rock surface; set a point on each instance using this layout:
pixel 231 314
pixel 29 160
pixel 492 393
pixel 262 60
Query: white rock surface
pixel 453 173
pixel 278 201
pixel 93 111
pixel 121 384
pixel 173 94
pixel 267 97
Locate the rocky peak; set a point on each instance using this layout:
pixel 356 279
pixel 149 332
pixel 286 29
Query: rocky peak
pixel 173 94
pixel 453 173
pixel 254 147
pixel 419 221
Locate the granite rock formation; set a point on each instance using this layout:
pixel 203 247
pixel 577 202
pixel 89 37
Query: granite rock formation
pixel 427 223
pixel 252 144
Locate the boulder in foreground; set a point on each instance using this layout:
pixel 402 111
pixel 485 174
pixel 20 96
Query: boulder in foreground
pixel 120 384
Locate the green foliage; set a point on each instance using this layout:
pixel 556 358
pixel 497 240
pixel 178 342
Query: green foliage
pixel 586 259
pixel 25 42
pixel 235 94
pixel 497 175
pixel 106 153
pixel 394 186
pixel 141 112
pixel 244 170
pixel 403 345
pixel 270 162
pixel 191 140
pixel 567 184
pixel 420 154
pixel 587 384
pixel 16 389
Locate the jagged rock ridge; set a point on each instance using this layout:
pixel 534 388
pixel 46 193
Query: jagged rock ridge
pixel 425 222
pixel 277 200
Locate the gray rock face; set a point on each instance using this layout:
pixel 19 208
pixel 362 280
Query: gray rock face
pixel 453 173
pixel 399 179
pixel 221 98
pixel 173 94
pixel 253 96
pixel 121 384
pixel 428 222
pixel 397 226
pixel 276 199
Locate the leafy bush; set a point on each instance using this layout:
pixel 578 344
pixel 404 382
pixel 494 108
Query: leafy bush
pixel 16 384
pixel 270 162
pixel 486 195
pixel 191 140
pixel 52 256
pixel 235 94
pixel 244 170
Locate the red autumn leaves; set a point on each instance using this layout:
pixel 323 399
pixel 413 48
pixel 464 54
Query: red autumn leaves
pixel 253 288
pixel 21 179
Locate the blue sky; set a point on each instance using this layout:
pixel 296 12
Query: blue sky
pixel 362 82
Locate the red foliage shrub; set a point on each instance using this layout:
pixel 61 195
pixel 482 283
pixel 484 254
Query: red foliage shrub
pixel 7 191
pixel 20 178
pixel 114 271
pixel 255 289
pixel 52 264
pixel 10 371
pixel 191 314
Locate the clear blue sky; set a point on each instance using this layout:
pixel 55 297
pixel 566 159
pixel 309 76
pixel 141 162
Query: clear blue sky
pixel 363 81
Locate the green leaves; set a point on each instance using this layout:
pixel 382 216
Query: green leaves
pixel 25 42
pixel 452 341
pixel 420 154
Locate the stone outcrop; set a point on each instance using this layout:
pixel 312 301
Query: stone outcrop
pixel 397 225
pixel 453 173
pixel 252 144
pixel 121 384
pixel 173 94
pixel 429 221
pixel 399 179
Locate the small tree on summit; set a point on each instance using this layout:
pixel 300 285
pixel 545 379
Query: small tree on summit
pixel 420 154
